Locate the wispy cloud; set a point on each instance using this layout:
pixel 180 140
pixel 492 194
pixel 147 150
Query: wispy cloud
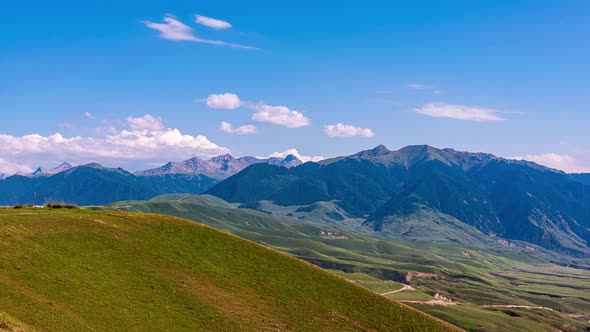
pixel 296 153
pixel 173 29
pixel 89 115
pixel 460 112
pixel 420 86
pixel 342 130
pixel 226 127
pixel 562 162
pixel 212 22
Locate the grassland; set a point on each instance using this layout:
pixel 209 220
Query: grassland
pixel 473 277
pixel 83 270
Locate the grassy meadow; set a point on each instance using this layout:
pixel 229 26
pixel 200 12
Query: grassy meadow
pixel 87 270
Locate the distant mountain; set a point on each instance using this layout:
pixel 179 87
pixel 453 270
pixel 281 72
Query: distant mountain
pixel 63 167
pixel 516 200
pixel 219 167
pixel 40 171
pixel 581 177
pixel 288 162
pixel 94 184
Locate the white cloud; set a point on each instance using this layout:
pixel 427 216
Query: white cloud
pixel 147 141
pixel 243 130
pixel 296 154
pixel 228 101
pixel 146 122
pixel 459 112
pixel 279 115
pixel 342 130
pixel 145 144
pixel 173 29
pixel 10 168
pixel 212 23
pixel 565 163
pixel 89 115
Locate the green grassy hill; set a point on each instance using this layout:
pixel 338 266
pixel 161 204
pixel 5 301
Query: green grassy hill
pixel 475 276
pixel 83 270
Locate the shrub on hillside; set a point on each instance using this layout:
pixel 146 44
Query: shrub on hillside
pixel 22 206
pixel 60 206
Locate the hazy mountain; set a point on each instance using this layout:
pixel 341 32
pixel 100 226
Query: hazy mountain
pixel 40 171
pixel 219 167
pixel 514 199
pixel 63 167
pixel 94 184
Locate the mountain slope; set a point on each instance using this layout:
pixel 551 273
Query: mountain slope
pixel 359 185
pixel 90 270
pixel 581 177
pixel 517 200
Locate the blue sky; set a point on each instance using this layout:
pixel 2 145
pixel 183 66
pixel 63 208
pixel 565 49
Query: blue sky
pixel 79 79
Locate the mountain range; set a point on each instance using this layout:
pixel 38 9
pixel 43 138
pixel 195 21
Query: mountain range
pixel 94 184
pixel 219 167
pixel 516 200
pixel 40 171
pixel 389 193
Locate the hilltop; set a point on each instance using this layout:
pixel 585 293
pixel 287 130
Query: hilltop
pixel 77 270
